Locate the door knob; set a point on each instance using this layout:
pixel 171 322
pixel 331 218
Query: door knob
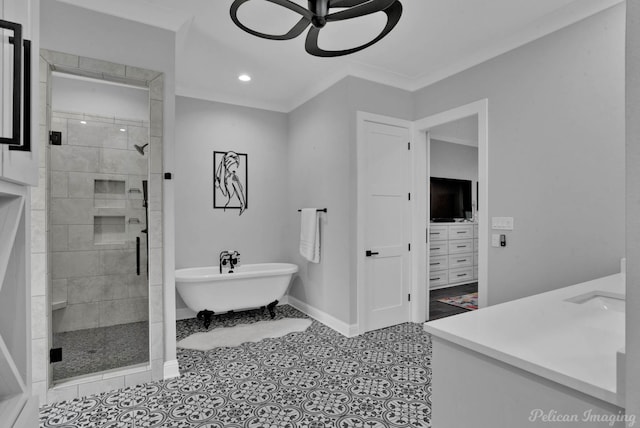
pixel 370 253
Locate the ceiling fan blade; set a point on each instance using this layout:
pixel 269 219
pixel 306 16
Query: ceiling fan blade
pixel 291 6
pixel 393 12
pixel 362 9
pixel 294 32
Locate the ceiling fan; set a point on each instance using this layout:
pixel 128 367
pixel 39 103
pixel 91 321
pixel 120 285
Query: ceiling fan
pixel 319 14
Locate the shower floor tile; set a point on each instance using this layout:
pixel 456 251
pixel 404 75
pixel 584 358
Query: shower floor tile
pixel 99 349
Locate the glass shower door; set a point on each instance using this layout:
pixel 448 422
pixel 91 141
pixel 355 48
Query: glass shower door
pixel 98 245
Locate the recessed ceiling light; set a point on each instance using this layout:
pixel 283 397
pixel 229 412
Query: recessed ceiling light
pixel 122 130
pixel 244 78
pixel 84 122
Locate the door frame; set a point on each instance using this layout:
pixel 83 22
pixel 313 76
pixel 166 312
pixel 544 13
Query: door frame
pixel 421 127
pixel 362 118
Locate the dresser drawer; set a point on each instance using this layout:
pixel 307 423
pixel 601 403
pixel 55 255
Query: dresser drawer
pixel 438 263
pixel 460 260
pixel 462 246
pixel 439 248
pixel 462 231
pixel 460 275
pixel 436 279
pixel 438 233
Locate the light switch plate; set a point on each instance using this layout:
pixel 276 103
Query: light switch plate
pixel 502 223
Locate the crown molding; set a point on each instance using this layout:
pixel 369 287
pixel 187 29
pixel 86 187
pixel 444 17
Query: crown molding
pixel 211 95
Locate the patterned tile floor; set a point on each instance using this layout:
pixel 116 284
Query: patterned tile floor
pixel 98 349
pixel 317 378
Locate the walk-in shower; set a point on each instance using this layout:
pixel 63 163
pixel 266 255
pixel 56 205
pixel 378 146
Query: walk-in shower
pixel 99 227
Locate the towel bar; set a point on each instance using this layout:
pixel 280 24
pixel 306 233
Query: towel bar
pixel 324 210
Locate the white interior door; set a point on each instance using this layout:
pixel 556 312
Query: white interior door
pixel 387 226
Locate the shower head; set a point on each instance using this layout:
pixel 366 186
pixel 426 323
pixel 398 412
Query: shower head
pixel 140 149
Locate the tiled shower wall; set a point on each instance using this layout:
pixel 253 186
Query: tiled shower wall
pixel 97 212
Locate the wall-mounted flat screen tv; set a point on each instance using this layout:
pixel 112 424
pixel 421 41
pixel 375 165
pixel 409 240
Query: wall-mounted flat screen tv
pixel 450 199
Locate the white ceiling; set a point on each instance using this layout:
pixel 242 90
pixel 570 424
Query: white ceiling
pixel 434 39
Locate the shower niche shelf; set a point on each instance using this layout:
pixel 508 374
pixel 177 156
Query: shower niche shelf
pixel 109 193
pixel 109 230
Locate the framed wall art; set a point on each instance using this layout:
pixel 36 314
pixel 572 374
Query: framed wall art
pixel 230 174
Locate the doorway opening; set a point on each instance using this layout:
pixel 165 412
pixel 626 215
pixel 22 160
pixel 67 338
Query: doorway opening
pixel 450 179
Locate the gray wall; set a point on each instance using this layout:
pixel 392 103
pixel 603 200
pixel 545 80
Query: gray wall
pixel 322 173
pixel 556 153
pixel 320 163
pixel 633 208
pixel 201 231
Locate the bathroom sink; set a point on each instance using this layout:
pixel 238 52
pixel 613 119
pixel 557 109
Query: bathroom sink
pixel 602 300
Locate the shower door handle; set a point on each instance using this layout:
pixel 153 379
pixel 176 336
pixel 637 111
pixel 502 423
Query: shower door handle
pixel 138 255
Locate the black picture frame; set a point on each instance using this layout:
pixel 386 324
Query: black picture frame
pixel 230 181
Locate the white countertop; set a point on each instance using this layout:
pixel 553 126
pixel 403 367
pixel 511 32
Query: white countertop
pixel 571 344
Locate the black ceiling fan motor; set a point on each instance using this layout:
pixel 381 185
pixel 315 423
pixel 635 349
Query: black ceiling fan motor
pixel 319 14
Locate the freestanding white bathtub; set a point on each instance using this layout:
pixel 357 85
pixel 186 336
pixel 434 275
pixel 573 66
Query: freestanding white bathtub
pixel 206 291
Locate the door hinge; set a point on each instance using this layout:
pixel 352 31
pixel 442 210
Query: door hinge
pixel 55 355
pixel 55 138
pixel 409 145
pixel 409 297
pixel 409 245
pixel 409 195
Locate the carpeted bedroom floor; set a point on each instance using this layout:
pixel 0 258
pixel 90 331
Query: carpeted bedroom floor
pixel 316 378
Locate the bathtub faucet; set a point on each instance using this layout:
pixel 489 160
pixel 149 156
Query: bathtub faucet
pixel 232 258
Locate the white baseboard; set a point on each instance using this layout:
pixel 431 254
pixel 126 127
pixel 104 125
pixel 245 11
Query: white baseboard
pixel 171 369
pixel 323 317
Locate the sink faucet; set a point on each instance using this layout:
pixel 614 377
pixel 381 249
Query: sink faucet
pixel 232 258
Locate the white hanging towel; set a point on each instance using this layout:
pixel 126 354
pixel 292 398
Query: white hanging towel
pixel 310 234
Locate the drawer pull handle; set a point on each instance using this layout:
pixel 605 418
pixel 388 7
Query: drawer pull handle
pixel 461 232
pixel 462 274
pixel 462 246
pixel 434 264
pixel 435 248
pixel 435 279
pixel 463 260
